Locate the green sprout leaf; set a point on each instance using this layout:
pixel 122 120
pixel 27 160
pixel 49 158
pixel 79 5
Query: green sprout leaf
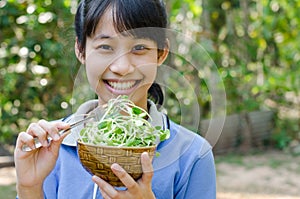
pixel 123 124
pixel 136 110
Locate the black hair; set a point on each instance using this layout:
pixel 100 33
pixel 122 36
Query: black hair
pixel 140 18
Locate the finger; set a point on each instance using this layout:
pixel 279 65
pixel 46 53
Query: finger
pixel 55 145
pixel 52 128
pixel 147 168
pixel 24 138
pixel 125 178
pixel 35 130
pixel 106 189
pixel 104 195
pixel 61 125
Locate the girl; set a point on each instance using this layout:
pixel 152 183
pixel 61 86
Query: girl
pixel 121 43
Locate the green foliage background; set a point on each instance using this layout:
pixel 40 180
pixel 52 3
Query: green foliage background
pixel 254 43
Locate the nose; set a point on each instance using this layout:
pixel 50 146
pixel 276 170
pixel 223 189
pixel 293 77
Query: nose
pixel 122 65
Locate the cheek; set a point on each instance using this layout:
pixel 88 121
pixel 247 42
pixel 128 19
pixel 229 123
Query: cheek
pixel 149 71
pixel 95 67
pixel 148 66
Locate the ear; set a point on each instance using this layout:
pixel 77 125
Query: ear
pixel 79 54
pixel 164 53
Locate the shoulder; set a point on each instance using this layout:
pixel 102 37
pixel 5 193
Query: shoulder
pixel 183 145
pixel 185 139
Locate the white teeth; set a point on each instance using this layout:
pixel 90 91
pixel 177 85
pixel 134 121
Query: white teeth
pixel 121 85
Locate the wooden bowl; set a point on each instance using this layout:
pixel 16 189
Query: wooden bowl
pixel 97 160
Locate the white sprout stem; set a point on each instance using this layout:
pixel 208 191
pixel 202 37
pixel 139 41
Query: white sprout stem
pixel 120 114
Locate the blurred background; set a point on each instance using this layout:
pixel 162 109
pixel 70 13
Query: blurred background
pixel 255 45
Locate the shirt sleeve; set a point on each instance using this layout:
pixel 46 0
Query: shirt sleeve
pixel 50 185
pixel 202 179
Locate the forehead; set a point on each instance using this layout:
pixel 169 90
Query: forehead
pixel 106 27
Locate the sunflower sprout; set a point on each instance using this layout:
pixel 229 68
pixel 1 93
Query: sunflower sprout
pixel 123 124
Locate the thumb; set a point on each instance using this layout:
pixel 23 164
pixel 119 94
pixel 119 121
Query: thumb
pixel 62 125
pixel 147 168
pixel 55 145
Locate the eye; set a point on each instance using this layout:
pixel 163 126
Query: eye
pixel 105 47
pixel 139 47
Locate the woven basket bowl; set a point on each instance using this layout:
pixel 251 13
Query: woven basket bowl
pixel 97 160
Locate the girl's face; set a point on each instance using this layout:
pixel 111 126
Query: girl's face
pixel 119 64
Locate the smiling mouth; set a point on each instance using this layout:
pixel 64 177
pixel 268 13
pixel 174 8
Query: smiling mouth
pixel 122 85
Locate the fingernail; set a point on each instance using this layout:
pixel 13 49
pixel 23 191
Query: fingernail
pixel 95 177
pixel 56 137
pixel 64 124
pixel 117 167
pixel 145 155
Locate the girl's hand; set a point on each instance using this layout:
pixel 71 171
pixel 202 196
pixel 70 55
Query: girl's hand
pixel 137 190
pixel 33 167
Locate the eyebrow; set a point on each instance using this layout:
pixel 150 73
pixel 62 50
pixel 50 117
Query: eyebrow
pixel 102 36
pixel 107 37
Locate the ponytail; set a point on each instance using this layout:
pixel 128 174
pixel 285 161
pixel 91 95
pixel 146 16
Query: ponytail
pixel 155 93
